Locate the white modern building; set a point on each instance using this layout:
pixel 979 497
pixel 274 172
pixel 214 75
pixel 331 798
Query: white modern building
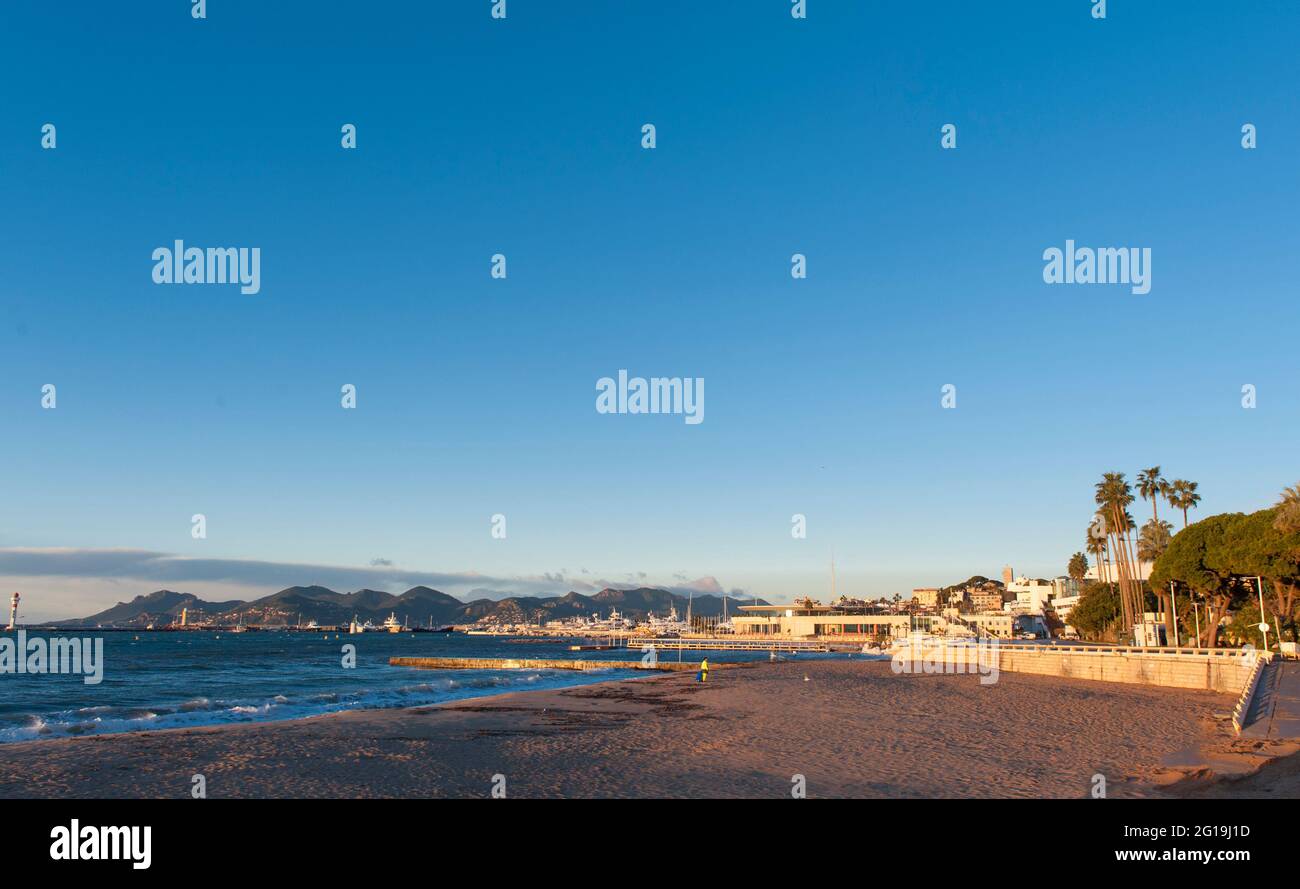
pixel 1108 572
pixel 1063 605
pixel 811 620
pixel 1032 596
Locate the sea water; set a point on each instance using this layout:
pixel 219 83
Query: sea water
pixel 156 680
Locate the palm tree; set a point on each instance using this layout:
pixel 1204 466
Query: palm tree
pixel 1152 543
pixel 1182 495
pixel 1154 540
pixel 1098 545
pixel 1288 511
pixel 1108 497
pixel 1078 566
pixel 1113 496
pixel 1152 487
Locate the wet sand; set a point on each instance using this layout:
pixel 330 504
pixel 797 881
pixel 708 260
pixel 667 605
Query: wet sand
pixel 851 728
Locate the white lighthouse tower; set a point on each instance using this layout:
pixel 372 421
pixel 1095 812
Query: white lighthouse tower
pixel 13 611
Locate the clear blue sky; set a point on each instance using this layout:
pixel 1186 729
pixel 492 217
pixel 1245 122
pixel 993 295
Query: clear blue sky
pixel 476 396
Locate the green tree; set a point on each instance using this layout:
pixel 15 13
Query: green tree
pixel 1098 613
pixel 1202 557
pixel 1182 495
pixel 1244 625
pixel 1113 497
pixel 1260 549
pixel 1152 487
pixel 1152 542
pixel 1287 520
pixel 1078 566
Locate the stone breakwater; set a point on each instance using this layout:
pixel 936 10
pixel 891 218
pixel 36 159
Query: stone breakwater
pixel 458 663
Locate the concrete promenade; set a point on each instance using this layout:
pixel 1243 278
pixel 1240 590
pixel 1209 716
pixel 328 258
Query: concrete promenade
pixel 1275 711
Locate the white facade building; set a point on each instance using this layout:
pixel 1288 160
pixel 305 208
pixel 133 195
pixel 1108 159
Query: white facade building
pixel 1108 572
pixel 1032 596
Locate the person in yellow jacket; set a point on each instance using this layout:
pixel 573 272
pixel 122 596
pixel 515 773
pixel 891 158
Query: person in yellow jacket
pixel 704 670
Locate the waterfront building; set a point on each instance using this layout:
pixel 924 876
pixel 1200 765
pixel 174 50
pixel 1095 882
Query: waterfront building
pixel 1063 605
pixel 986 599
pixel 1032 596
pixel 999 624
pixel 808 620
pixel 926 597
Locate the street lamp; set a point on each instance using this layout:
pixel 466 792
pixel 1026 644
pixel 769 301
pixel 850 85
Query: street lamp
pixel 1263 621
pixel 1173 601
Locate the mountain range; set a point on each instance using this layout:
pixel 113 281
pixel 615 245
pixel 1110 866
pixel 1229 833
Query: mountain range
pixel 419 605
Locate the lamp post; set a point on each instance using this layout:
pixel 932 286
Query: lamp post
pixel 1173 601
pixel 1263 621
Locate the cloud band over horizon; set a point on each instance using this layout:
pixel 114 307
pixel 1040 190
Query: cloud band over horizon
pixel 91 570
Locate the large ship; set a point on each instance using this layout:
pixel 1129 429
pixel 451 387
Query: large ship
pixel 667 627
pixel 615 623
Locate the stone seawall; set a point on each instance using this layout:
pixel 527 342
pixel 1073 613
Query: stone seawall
pixel 1222 671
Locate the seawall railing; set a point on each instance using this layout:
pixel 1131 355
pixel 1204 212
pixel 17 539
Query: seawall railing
pixel 1242 710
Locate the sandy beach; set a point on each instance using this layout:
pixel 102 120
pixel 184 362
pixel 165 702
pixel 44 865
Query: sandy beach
pixel 851 728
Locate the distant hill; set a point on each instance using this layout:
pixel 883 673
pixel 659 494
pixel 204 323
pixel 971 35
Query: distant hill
pixel 156 608
pixel 418 605
pixel 637 604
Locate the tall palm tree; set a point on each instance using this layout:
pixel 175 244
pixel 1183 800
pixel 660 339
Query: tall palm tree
pixel 1288 511
pixel 1182 495
pixel 1113 496
pixel 1152 543
pixel 1152 487
pixel 1096 544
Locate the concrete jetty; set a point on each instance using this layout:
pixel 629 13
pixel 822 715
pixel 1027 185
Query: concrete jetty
pixel 466 663
pixel 696 643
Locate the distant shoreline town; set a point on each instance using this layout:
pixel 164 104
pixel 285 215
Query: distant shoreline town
pixel 1229 578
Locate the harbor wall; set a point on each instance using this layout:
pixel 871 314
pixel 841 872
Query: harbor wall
pixel 1224 671
pixel 459 663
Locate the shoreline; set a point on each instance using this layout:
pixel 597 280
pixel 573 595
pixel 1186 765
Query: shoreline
pixel 851 728
pixel 178 716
